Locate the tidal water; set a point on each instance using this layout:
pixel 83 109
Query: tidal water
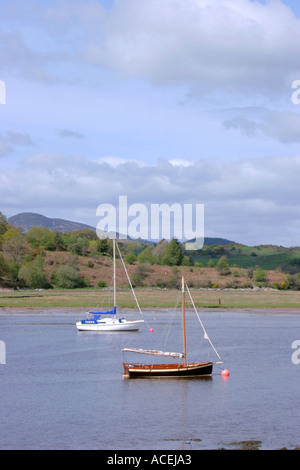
pixel 64 389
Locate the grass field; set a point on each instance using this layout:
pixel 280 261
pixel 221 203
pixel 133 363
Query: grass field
pixel 265 256
pixel 150 298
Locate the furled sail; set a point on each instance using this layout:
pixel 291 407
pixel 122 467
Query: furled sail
pixel 154 352
pixel 109 312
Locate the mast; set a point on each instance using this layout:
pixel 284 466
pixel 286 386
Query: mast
pixel 183 317
pixel 114 275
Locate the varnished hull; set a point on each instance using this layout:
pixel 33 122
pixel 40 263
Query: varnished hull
pixel 196 369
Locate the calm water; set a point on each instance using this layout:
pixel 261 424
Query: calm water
pixel 64 389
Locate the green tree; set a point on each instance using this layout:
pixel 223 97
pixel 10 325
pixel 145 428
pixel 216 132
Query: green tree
pixel 44 237
pixel 146 256
pixel 10 233
pixel 80 246
pixel 4 267
pixel 259 275
pixel 140 273
pixel 87 233
pixel 187 261
pixel 223 266
pixel 15 248
pixel 130 258
pixel 32 274
pixel 67 277
pixel 173 254
pixel 3 224
pixel 102 246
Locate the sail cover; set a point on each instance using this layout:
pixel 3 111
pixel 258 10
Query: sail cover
pixel 109 312
pixel 154 352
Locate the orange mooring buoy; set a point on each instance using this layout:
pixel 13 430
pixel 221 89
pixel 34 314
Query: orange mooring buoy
pixel 225 373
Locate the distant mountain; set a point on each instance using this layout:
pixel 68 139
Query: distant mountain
pixel 213 241
pixel 27 220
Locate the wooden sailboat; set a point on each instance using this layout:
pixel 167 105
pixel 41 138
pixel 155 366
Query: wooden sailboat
pixel 178 369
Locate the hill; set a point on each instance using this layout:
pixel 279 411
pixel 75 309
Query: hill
pixel 27 220
pixel 264 256
pixel 75 256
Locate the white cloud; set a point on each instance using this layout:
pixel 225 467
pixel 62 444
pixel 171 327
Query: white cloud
pixel 208 46
pixel 143 63
pixel 239 47
pixel 249 201
pixel 283 126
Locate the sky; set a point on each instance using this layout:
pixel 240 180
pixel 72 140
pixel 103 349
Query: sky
pixel 162 101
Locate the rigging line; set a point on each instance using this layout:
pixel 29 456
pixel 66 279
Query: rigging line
pixel 172 319
pixel 205 333
pixel 138 305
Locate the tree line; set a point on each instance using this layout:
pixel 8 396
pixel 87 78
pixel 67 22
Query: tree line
pixel 22 259
pixel 22 255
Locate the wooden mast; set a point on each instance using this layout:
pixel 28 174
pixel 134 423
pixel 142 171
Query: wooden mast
pixel 183 317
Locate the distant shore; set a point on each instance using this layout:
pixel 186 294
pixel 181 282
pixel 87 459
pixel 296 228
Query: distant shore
pixel 151 298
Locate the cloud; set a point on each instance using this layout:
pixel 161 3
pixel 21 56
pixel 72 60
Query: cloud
pixel 19 59
pixel 69 133
pixel 249 201
pixel 216 47
pixel 283 126
pixel 207 45
pixel 19 138
pixel 242 123
pixel 5 148
pixel 11 139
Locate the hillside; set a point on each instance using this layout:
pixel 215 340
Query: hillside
pixel 95 269
pixel 265 256
pixel 27 220
pixel 61 253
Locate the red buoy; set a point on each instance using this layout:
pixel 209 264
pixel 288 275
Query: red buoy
pixel 151 330
pixel 225 373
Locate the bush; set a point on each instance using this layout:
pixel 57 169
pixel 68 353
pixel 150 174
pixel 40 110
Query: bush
pixel 80 246
pixel 223 266
pixel 130 258
pixel 32 274
pixel 68 277
pixel 4 267
pixel 260 275
pixel 140 273
pixel 173 253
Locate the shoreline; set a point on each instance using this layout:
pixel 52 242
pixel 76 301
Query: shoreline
pixel 210 299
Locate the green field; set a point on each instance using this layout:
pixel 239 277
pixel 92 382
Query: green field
pixel 264 256
pixel 150 298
